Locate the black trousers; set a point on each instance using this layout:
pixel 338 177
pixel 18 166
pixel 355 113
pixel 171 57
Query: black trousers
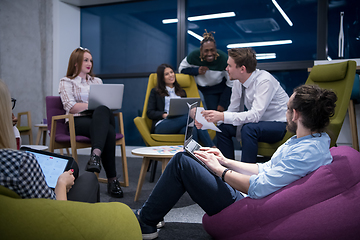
pixel 100 128
pixel 85 189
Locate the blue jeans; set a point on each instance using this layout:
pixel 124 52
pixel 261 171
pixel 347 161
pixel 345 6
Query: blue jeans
pixel 251 134
pixel 177 125
pixel 184 174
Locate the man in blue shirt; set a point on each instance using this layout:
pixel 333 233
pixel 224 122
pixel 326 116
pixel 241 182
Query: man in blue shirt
pixel 308 113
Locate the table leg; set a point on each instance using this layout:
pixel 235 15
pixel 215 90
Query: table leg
pixel 165 162
pixel 44 136
pixel 144 167
pixel 38 136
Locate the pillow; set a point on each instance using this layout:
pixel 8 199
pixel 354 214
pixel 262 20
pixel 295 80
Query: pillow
pixel 329 72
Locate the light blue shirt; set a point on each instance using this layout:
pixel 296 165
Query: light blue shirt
pixel 293 160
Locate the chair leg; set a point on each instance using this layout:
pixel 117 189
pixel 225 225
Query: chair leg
pixel 353 127
pixel 125 183
pixel 153 171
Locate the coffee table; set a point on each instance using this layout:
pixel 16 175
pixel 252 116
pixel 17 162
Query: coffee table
pixel 159 153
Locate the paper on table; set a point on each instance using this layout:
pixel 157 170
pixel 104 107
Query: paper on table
pixel 206 125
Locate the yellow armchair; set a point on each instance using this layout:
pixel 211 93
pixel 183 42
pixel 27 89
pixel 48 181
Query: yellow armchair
pixel 338 77
pixel 143 123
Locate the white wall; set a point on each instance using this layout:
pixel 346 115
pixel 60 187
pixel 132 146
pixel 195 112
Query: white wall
pixel 66 38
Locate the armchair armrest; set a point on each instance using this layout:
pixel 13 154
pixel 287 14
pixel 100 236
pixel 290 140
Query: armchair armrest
pixel 143 130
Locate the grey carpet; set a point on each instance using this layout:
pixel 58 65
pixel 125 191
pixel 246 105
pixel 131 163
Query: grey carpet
pixel 181 228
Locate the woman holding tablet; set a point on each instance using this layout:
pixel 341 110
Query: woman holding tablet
pixel 99 125
pixel 21 173
pixel 158 107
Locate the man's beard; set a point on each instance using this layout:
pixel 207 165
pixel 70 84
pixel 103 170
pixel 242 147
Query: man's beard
pixel 291 126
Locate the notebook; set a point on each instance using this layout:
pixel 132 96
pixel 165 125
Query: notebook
pixel 110 95
pixel 52 164
pixel 179 106
pixel 190 145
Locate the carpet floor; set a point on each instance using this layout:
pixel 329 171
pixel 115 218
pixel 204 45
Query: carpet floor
pixel 182 222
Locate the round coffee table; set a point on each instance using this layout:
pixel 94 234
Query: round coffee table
pixel 159 153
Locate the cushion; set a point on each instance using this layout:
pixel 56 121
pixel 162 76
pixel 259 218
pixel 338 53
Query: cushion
pixel 324 202
pixel 184 80
pixel 329 72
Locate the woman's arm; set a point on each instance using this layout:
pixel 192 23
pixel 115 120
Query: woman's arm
pixel 153 112
pixel 64 184
pixel 78 107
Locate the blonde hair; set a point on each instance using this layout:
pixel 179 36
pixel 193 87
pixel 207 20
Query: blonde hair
pixel 75 63
pixel 7 136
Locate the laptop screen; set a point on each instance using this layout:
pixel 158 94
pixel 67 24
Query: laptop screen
pixel 190 123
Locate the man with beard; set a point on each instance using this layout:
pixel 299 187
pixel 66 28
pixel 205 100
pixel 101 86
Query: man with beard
pixel 207 65
pixel 265 101
pixel 308 114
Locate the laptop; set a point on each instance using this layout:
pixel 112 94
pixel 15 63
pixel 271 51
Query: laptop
pixel 190 145
pixel 110 95
pixel 52 164
pixel 180 106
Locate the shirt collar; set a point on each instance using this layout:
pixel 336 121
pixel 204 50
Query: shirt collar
pixel 294 139
pixel 169 89
pixel 248 81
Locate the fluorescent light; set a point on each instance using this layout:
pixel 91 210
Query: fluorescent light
pixel 211 16
pixel 282 12
pixel 173 20
pixel 259 44
pixel 261 56
pixel 195 35
pixel 202 17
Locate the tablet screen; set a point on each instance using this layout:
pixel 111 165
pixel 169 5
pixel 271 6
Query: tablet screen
pixel 51 166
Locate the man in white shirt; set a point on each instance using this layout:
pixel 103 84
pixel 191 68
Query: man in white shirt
pixel 264 99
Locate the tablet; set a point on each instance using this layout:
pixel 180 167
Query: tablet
pixel 52 164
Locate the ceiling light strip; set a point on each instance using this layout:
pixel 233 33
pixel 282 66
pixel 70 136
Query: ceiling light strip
pixel 262 56
pixel 202 17
pixel 195 35
pixel 287 19
pixel 259 44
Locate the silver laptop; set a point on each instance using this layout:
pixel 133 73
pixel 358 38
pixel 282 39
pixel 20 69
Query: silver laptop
pixel 179 106
pixel 109 95
pixel 190 145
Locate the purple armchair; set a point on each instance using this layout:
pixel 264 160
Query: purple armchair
pixel 62 135
pixel 322 205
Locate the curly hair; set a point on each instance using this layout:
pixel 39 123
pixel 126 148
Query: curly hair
pixel 161 87
pixel 316 105
pixel 208 37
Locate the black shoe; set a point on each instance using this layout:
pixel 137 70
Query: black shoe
pixel 114 189
pixel 148 232
pixel 93 164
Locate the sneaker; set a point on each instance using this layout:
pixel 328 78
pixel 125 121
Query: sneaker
pixel 148 232
pixel 160 224
pixel 114 189
pixel 93 164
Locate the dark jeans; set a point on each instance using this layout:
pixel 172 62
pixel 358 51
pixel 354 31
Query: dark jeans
pixel 184 174
pixel 85 189
pixel 177 125
pixel 100 128
pixel 216 95
pixel 251 134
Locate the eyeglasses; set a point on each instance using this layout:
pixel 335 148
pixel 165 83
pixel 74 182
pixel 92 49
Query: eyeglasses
pixel 13 100
pixel 81 48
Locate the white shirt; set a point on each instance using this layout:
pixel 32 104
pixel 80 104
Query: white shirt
pixel 172 94
pixel 265 100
